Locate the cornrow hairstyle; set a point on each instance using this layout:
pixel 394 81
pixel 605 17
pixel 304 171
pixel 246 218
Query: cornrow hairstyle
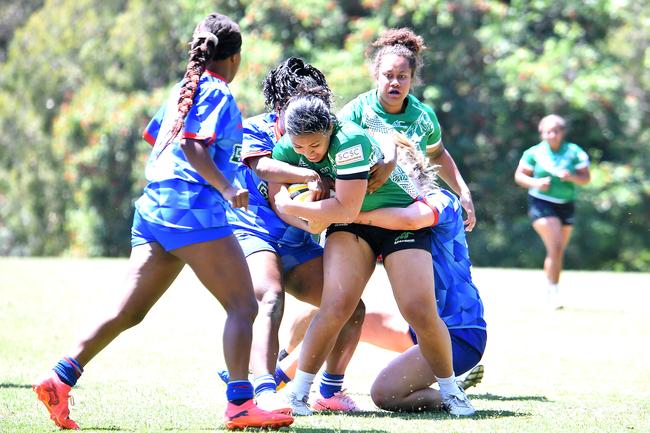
pixel 217 37
pixel 309 112
pixel 415 165
pixel 288 79
pixel 402 42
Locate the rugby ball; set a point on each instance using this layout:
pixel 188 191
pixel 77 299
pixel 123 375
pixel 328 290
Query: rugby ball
pixel 301 192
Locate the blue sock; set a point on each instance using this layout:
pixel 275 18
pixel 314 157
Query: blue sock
pixel 330 383
pixel 239 391
pixel 281 377
pixel 68 370
pixel 262 383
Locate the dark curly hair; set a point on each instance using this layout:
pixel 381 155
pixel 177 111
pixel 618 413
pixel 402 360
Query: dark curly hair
pixel 401 42
pixel 289 78
pixel 309 112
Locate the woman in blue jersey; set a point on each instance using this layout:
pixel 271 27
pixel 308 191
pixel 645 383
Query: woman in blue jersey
pixel 344 152
pixel 181 219
pixel 279 255
pixel 550 171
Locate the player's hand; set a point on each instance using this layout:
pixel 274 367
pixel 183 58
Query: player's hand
pixel 282 199
pixel 468 205
pixel 238 197
pixel 318 187
pixel 317 226
pixel 564 175
pixel 379 174
pixel 543 183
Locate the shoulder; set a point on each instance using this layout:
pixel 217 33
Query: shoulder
pixel 347 132
pixel 261 122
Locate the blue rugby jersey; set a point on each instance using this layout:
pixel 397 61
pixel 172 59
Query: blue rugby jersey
pixel 176 195
pixel 459 303
pixel 260 220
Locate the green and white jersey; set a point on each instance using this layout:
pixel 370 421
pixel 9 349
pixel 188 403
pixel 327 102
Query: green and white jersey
pixel 350 155
pixel 543 161
pixel 418 122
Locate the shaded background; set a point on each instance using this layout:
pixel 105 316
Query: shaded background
pixel 79 80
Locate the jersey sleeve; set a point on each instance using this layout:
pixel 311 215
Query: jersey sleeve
pixel 433 143
pixel 352 154
pixel 528 159
pixel 150 133
pixel 283 151
pixel 211 107
pixel 352 112
pixel 256 142
pixel 581 159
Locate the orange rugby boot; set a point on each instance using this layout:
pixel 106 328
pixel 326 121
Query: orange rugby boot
pixel 54 394
pixel 249 415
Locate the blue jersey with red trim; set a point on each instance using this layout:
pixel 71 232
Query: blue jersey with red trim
pixel 260 220
pixel 177 195
pixel 459 302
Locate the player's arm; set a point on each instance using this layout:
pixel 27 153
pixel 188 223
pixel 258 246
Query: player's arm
pixel 274 189
pixel 343 208
pixel 581 177
pixel 524 178
pixel 197 154
pixel 416 216
pixel 380 172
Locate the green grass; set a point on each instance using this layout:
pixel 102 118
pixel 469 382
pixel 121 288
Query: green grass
pixel 584 369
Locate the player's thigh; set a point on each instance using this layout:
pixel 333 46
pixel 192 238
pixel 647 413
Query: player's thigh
pixel 220 265
pixel 410 273
pixel 406 373
pixel 266 272
pixel 549 230
pixel 305 281
pixel 151 270
pixel 348 263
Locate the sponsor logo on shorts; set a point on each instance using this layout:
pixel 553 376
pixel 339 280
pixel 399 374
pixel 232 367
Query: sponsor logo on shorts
pixel 405 237
pixel 350 155
pixel 263 188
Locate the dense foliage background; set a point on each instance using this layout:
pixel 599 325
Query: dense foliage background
pixel 79 80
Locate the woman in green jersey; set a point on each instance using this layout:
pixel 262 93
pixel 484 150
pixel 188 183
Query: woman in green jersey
pixel 343 152
pixel 391 108
pixel 550 171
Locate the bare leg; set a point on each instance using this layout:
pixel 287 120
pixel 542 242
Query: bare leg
pixel 386 330
pixel 221 267
pixel 411 277
pixel 555 237
pixel 305 282
pixel 267 283
pixel 404 385
pixel 299 328
pixel 348 265
pixel 151 272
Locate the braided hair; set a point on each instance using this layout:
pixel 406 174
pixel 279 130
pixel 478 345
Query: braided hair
pixel 216 37
pixel 402 42
pixel 415 165
pixel 289 78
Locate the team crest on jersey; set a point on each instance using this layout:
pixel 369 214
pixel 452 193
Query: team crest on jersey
pixel 235 157
pixel 263 188
pixel 350 155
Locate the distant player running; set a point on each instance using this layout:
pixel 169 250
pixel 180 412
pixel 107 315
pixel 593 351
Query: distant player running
pixel 550 171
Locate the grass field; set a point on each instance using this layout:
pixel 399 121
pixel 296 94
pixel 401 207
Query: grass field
pixel 583 369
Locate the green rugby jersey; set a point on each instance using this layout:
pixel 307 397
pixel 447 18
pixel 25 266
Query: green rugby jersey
pixel 543 161
pixel 350 155
pixel 418 122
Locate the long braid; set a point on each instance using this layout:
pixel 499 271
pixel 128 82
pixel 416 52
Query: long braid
pixel 202 49
pixel 416 166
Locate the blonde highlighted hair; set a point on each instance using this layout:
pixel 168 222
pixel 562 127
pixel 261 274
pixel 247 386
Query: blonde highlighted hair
pixel 409 156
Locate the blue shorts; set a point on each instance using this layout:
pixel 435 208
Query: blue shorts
pixel 538 208
pixel 144 232
pixel 467 347
pixel 290 256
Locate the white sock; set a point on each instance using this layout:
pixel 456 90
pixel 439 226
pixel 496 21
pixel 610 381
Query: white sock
pixel 301 383
pixel 448 385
